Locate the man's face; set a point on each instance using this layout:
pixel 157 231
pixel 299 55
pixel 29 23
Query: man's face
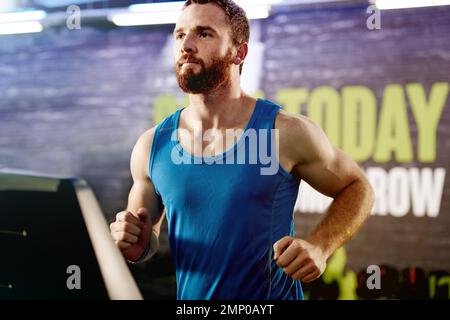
pixel 203 48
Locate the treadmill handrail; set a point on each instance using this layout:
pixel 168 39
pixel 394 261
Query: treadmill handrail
pixel 118 280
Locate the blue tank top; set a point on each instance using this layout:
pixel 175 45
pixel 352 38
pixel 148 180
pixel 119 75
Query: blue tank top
pixel 224 215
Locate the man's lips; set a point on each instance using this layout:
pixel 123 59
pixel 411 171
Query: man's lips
pixel 189 61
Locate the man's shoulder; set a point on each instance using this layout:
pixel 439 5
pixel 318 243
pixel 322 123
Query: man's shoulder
pixel 295 126
pixel 142 147
pixel 146 138
pixel 300 138
pixel 139 156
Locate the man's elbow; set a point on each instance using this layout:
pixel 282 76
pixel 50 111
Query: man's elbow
pixel 367 193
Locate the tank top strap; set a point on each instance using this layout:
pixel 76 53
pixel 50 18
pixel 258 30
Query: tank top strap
pixel 162 136
pixel 266 115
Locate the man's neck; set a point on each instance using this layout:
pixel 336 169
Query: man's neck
pixel 223 108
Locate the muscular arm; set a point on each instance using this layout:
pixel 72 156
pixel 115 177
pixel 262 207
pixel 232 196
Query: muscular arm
pixel 142 193
pixel 333 173
pixel 307 152
pixel 138 227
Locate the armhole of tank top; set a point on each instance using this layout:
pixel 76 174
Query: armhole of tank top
pixel 281 169
pixel 152 155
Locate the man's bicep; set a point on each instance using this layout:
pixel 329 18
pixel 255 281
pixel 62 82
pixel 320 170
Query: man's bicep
pixel 330 176
pixel 326 168
pixel 143 193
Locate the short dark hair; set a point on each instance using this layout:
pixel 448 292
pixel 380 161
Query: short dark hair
pixel 236 16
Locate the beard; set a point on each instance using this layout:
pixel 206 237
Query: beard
pixel 208 78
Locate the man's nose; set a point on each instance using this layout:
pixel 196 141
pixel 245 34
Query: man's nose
pixel 188 45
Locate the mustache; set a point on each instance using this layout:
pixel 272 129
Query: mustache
pixel 189 59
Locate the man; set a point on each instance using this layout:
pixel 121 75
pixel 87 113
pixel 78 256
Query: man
pixel 230 224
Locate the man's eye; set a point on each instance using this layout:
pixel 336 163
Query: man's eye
pixel 179 36
pixel 204 34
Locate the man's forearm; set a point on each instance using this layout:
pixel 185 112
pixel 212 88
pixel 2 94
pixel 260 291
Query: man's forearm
pixel 345 216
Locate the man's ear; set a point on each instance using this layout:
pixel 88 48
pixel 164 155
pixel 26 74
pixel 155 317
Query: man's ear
pixel 241 53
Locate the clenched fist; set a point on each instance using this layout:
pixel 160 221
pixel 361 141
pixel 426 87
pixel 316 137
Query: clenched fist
pixel 131 233
pixel 299 258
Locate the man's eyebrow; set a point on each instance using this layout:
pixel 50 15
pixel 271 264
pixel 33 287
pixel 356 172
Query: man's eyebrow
pixel 205 28
pixel 198 29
